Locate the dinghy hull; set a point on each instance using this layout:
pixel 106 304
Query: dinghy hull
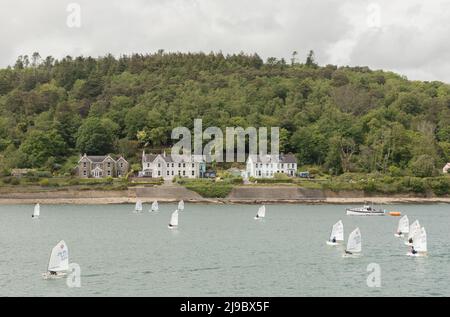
pixel 417 255
pixel 353 212
pixel 354 255
pixel 58 275
pixel 332 243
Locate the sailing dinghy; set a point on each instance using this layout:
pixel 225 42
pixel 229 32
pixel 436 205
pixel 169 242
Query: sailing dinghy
pixel 155 206
pixel 419 245
pixel 414 230
pixel 138 206
pixel 354 245
pixel 337 233
pixel 403 227
pixel 173 220
pixel 58 265
pixel 181 205
pixel 261 212
pixel 37 211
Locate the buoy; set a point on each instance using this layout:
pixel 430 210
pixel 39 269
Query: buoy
pixel 395 213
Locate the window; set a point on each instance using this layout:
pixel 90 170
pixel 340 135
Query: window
pixel 172 173
pixel 109 164
pixel 121 164
pixel 184 173
pixel 159 164
pixel 109 173
pixel 193 173
pixel 84 173
pixel 172 165
pixel 179 164
pixel 167 173
pixel 193 166
pixel 282 165
pixel 148 164
pixel 159 173
pixel 179 173
pixel 84 164
pixel 184 164
pixel 168 164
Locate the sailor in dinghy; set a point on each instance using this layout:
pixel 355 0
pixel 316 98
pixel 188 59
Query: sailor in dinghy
pixel 414 230
pixel 261 212
pixel 354 245
pixel 419 247
pixel 155 207
pixel 403 227
pixel 138 207
pixel 173 220
pixel 337 233
pixel 58 265
pixel 36 211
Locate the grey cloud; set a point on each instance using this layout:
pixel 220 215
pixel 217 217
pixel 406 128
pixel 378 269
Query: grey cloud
pixel 269 28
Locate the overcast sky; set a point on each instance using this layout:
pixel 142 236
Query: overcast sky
pixel 407 36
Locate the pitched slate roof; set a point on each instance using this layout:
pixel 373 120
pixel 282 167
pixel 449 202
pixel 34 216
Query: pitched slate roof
pixel 100 158
pixel 282 158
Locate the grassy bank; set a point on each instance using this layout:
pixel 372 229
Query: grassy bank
pixel 208 188
pixel 47 182
pixel 370 184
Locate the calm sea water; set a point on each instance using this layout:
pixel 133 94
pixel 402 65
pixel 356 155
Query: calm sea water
pixel 219 250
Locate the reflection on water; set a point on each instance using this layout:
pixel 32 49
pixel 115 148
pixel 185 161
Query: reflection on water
pixel 219 250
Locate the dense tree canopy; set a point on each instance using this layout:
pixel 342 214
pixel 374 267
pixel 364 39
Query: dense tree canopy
pixel 343 119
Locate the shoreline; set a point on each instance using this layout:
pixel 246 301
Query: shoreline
pixel 238 195
pixel 219 201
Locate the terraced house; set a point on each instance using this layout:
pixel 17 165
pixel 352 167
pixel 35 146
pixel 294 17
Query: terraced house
pixel 98 166
pixel 162 165
pixel 267 166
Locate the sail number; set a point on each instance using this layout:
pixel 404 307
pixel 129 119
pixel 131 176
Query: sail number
pixel 63 255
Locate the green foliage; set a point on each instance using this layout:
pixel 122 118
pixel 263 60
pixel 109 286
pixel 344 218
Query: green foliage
pixel 210 189
pixel 441 186
pixel 44 182
pixel 40 146
pixel 96 136
pixel 423 166
pixel 340 119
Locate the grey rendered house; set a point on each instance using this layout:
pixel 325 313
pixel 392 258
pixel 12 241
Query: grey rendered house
pixel 99 166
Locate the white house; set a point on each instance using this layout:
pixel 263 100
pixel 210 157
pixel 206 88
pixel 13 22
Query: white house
pixel 162 165
pixel 267 166
pixel 446 168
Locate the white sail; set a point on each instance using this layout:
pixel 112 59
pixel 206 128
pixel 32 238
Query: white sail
pixel 174 219
pixel 138 206
pixel 338 231
pixel 261 212
pixel 414 230
pixel 181 205
pixel 155 206
pixel 420 241
pixel 354 241
pixel 37 211
pixel 59 259
pixel 403 225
